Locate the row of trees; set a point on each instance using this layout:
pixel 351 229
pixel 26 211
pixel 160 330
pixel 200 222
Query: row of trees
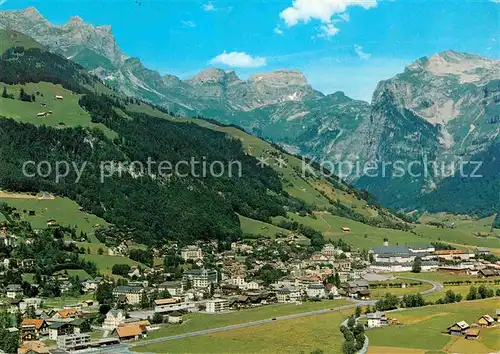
pixel 354 334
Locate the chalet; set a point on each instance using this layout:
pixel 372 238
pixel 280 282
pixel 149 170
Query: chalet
pixel 33 347
pixel 66 314
pixel 346 229
pixel 472 334
pixel 458 328
pixel 32 329
pixel 376 319
pixel 135 271
pixel 129 332
pixel 482 250
pixel 14 291
pixel 51 222
pixel 498 315
pixel 331 289
pixel 113 319
pixel 57 329
pixel 254 285
pixel 92 284
pixel 357 288
pixel 59 97
pixel 485 321
pixel 482 234
pixel 486 273
pixel 80 324
pixel 41 114
pixel 16 305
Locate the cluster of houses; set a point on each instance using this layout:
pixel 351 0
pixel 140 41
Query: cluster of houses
pixel 400 258
pixel 232 282
pixel 472 332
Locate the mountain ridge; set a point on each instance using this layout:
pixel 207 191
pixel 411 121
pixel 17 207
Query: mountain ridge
pixel 448 100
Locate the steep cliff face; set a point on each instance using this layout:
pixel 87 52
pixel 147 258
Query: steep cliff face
pixel 77 40
pixel 442 110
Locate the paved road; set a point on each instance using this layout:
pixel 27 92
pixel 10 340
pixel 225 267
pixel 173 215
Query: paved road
pixel 435 288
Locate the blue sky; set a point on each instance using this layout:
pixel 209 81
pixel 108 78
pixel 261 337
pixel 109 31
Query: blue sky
pixel 346 45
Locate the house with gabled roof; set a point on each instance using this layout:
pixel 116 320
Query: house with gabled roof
pixel 485 321
pixel 32 329
pixel 14 291
pixel 458 328
pixel 129 332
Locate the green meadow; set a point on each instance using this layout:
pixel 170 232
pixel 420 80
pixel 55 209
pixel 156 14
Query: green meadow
pixel 430 323
pixel 65 113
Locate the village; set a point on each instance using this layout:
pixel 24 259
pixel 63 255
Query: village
pixel 200 279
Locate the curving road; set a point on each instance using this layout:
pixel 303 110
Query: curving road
pixel 435 288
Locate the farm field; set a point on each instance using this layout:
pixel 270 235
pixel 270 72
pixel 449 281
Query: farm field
pixel 301 335
pixel 376 293
pixel 256 227
pixel 65 113
pixel 429 323
pixel 65 211
pixel 460 289
pixel 444 276
pixel 198 322
pixel 105 262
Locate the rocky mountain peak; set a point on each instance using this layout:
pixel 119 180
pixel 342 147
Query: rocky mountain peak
pixel 32 12
pixel 468 68
pixel 213 75
pixel 75 21
pixel 69 39
pixel 281 78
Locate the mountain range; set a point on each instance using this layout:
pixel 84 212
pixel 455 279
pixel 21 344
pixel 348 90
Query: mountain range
pixel 444 108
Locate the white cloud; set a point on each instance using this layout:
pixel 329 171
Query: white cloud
pixel 238 60
pixel 188 24
pixel 360 53
pixel 322 10
pixel 328 30
pixel 495 1
pixel 209 7
pixel 2 2
pixel 277 30
pixel 345 16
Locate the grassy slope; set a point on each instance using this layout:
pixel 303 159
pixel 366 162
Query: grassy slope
pixel 67 213
pixel 64 210
pixel 9 39
pixel 428 323
pixel 256 227
pixel 66 111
